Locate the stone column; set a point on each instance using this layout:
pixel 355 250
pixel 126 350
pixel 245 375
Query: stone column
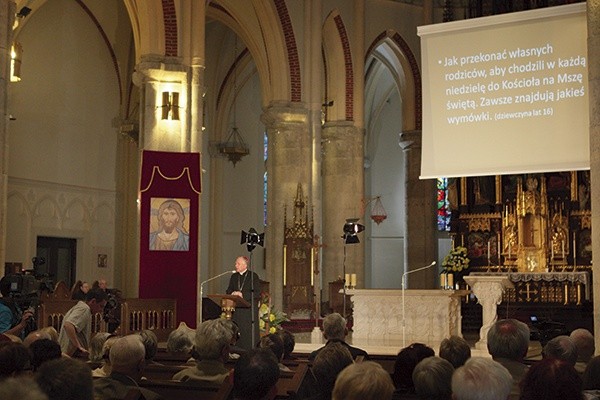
pixel 593 48
pixel 7 17
pixel 288 163
pixel 420 244
pixel 343 191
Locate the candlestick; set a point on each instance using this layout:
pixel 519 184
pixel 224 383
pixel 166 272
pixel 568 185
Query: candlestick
pixel 498 246
pixel 488 254
pixel 574 252
pixel 562 245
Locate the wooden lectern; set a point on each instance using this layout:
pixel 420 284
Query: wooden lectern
pixel 228 303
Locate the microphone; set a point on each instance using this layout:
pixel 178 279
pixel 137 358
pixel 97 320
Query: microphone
pixel 218 276
pixel 403 303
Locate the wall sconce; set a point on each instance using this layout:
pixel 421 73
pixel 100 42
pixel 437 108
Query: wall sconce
pixel 170 106
pixel 16 55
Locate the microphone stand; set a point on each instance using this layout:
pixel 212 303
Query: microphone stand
pixel 202 291
pixel 403 289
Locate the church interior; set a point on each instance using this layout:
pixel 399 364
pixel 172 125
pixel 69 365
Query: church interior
pixel 295 124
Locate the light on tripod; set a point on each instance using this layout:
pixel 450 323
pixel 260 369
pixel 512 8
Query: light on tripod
pixel 351 230
pixel 252 238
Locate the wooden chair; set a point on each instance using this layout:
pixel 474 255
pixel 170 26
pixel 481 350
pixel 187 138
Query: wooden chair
pixel 158 315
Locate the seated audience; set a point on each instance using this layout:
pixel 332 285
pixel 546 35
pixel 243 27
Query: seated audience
pixel 591 378
pixel 234 349
pixel 14 359
pixel 456 350
pixel 181 340
pixel 35 335
pixel 481 379
pixel 79 290
pixel 21 388
pixel 326 367
pixel 255 376
pixel 432 378
pixel 561 348
pixel 586 347
pixel 507 343
pixel 65 379
pixel 335 331
pixel 127 363
pixel 273 342
pixel 51 332
pixel 552 379
pixel 289 342
pixel 366 380
pixel 43 350
pixel 405 364
pixel 211 351
pixel 150 345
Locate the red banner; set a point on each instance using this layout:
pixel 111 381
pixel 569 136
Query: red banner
pixel 170 191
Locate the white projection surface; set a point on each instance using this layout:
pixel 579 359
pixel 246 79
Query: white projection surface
pixel 506 94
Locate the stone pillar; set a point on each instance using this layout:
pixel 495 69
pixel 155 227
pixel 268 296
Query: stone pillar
pixel 343 191
pixel 7 17
pixel 593 48
pixel 288 163
pixel 420 245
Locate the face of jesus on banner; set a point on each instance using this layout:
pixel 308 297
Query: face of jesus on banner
pixel 167 230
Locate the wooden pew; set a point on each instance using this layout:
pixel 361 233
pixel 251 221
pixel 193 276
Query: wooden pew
pixel 173 390
pixel 154 372
pixel 289 382
pixel 168 358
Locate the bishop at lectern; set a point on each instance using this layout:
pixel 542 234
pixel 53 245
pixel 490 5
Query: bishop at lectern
pixel 246 284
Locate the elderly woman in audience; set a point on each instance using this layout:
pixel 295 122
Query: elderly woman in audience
pixel 273 342
pixel 326 367
pixel 552 379
pixel 562 348
pixel 481 378
pixel 212 341
pixel 586 347
pixel 591 379
pixel 14 359
pixel 433 379
pixel 151 345
pixel 181 340
pixel 96 346
pixel 289 342
pixel 363 381
pixel 405 364
pixel 456 350
pixel 105 369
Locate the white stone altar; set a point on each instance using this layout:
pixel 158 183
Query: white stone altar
pixel 431 316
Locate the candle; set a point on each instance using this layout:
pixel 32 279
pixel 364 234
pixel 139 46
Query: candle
pixel 574 251
pixel 346 279
pixel 509 249
pixel 284 263
pixel 498 254
pixel 450 281
pixel 443 281
pixel 353 280
pixel 312 266
pixel 489 251
pixel 551 252
pixel 562 245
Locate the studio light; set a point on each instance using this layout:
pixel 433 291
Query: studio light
pixel 351 230
pixel 252 238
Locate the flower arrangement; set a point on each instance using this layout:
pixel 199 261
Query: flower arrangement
pixel 269 319
pixel 456 260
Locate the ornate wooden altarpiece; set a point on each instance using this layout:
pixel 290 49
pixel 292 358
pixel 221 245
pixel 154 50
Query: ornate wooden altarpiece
pixel 534 227
pixel 299 261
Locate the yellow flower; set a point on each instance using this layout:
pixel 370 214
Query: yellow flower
pixel 261 324
pixel 272 317
pixel 263 309
pixel 272 329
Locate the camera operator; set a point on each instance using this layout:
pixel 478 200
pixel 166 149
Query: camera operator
pixel 13 320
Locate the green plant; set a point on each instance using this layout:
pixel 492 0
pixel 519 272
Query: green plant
pixel 269 319
pixel 456 260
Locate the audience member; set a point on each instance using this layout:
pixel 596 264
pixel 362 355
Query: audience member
pixel 76 327
pixel 255 376
pixel 43 350
pixel 212 351
pixel 584 341
pixel 127 362
pixel 591 378
pixel 13 320
pixel 35 335
pixel 79 290
pixel 326 367
pixel 150 342
pixel 366 380
pixel 552 379
pixel 51 332
pixel 561 348
pixel 21 388
pixel 14 359
pixel 96 346
pixel 335 331
pixel 234 349
pixel 273 342
pixel 481 379
pixel 289 343
pixel 181 340
pixel 456 350
pixel 65 379
pixel 405 364
pixel 507 343
pixel 433 379
pixel 105 368
pixel 100 284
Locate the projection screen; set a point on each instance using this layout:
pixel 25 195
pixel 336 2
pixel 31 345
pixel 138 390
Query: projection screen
pixel 506 94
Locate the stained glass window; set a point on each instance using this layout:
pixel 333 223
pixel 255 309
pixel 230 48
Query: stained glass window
pixel 443 205
pixel 265 146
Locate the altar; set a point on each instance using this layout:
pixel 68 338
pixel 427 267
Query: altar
pixel 391 317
